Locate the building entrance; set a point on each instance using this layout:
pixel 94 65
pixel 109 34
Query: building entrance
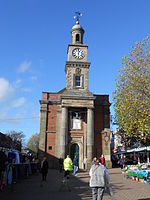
pixel 74 151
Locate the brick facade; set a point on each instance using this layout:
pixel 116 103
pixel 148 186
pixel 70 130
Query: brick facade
pixel 53 104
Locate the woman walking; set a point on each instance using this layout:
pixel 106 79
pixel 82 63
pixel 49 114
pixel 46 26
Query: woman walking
pixel 97 180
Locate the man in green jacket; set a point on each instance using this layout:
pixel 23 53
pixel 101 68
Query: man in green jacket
pixel 68 166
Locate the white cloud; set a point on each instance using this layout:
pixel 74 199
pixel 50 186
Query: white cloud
pixel 9 119
pixel 18 102
pixel 33 78
pixel 26 89
pixel 3 116
pixel 24 66
pixel 18 81
pixel 6 90
pixel 35 115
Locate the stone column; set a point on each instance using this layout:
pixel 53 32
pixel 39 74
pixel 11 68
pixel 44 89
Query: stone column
pixel 43 129
pixel 90 136
pixel 64 131
pixel 85 147
pixel 58 128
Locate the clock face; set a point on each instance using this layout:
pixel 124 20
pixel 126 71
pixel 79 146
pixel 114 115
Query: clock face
pixel 78 53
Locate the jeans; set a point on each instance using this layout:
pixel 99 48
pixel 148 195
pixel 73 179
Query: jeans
pixel 74 170
pixel 97 193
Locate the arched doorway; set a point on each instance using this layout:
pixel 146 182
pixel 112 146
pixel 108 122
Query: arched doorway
pixel 74 151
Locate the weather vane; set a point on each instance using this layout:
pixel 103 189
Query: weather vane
pixel 77 16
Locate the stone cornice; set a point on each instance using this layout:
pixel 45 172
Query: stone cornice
pixel 77 64
pixel 78 45
pixel 50 132
pixel 77 97
pixel 44 101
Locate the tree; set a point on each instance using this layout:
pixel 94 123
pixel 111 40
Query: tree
pixel 132 94
pixel 17 139
pixel 33 143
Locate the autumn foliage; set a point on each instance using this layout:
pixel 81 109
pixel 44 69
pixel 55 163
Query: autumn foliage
pixel 132 94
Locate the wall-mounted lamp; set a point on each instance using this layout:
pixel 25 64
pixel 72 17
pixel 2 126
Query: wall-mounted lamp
pixel 106 137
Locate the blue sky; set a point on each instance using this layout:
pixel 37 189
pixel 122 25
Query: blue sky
pixel 34 35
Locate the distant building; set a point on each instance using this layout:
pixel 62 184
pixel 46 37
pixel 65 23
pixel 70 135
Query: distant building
pixel 74 120
pixel 118 146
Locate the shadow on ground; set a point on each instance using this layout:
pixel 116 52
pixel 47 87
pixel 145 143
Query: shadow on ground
pixel 33 188
pixel 144 199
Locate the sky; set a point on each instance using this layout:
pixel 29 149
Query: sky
pixel 34 36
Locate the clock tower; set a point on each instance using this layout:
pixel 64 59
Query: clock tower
pixel 77 66
pixel 73 120
pixel 76 100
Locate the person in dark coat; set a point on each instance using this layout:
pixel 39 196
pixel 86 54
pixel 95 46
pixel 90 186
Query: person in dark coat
pixel 121 162
pixel 61 164
pixel 44 168
pixel 3 159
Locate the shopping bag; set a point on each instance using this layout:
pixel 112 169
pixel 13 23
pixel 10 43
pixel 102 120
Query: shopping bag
pixel 109 190
pixel 77 169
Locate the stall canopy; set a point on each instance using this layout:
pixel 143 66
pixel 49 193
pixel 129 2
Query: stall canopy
pixel 134 150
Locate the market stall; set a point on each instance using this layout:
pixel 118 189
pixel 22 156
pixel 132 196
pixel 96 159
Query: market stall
pixel 140 172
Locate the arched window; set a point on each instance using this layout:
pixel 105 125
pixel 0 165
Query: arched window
pixel 77 37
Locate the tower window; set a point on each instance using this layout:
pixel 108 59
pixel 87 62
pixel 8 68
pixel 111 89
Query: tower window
pixel 77 81
pixel 77 37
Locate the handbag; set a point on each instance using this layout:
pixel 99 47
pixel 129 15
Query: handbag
pixel 109 190
pixel 77 169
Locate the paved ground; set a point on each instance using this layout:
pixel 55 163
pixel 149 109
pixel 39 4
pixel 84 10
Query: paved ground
pixel 32 188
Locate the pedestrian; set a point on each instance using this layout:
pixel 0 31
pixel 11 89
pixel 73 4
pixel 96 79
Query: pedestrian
pixel 97 180
pixel 75 165
pixel 121 162
pixel 102 159
pixel 3 160
pixel 44 168
pixel 94 161
pixel 68 166
pixel 60 164
pixel 84 163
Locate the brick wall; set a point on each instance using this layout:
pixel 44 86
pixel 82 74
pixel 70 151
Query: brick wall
pixel 99 125
pixel 51 123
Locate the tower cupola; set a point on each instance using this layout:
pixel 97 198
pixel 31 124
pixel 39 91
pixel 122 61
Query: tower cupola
pixel 77 31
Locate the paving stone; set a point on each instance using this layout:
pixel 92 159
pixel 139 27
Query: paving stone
pixel 53 189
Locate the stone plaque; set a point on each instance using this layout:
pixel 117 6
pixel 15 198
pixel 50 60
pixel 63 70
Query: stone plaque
pixel 76 124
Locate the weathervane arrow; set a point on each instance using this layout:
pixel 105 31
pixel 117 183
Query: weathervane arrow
pixel 77 16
